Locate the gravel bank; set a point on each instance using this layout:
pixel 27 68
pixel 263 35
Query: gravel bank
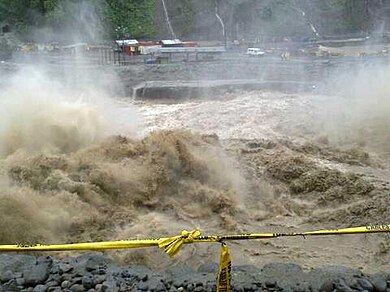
pixel 95 272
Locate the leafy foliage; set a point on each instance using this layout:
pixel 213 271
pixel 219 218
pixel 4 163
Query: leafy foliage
pixel 137 18
pixel 119 17
pixel 133 18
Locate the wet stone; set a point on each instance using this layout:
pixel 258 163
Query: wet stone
pixel 51 284
pixel 270 284
pixel 95 261
pixel 45 259
pixel 65 284
pixel 99 287
pixel 327 286
pixel 109 286
pixel 88 281
pixel 77 288
pixel 365 284
pixel 36 274
pixel 76 280
pixel 66 277
pixel 143 286
pixel 199 289
pixel 379 283
pixel 6 276
pixel 20 281
pixel 99 279
pixel 54 277
pixel 64 268
pixel 160 287
pixel 342 286
pixel 40 288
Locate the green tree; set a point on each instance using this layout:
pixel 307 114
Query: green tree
pixel 132 18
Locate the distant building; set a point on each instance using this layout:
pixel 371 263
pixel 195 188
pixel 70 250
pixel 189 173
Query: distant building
pixel 171 43
pixel 129 46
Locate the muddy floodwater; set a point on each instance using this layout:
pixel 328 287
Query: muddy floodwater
pixel 82 161
pixel 299 164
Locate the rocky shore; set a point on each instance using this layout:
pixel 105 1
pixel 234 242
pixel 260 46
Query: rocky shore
pixel 95 272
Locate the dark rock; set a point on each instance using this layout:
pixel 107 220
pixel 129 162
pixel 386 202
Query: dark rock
pixel 137 272
pixel 365 284
pixel 15 263
pixel 160 287
pixel 379 282
pixel 126 274
pixel 98 279
pixel 342 286
pixel 327 286
pixel 51 284
pixel 155 282
pixel 101 270
pixel 45 259
pixel 6 276
pixel 95 261
pixel 199 284
pixel 88 282
pixel 247 287
pixel 190 287
pixel 143 286
pixel 99 287
pixel 36 274
pixel 303 287
pixel 65 284
pixel 270 284
pixel 77 288
pixel 109 286
pixel 123 287
pixel 64 268
pixel 40 288
pixel 76 280
pixel 66 277
pixel 199 289
pixel 55 278
pixel 20 281
pixel 54 289
pixel 55 269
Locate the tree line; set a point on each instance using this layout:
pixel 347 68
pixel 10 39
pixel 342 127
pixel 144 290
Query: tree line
pixel 108 18
pixel 137 18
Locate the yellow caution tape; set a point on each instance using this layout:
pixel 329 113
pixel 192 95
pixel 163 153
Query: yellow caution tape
pixel 225 267
pixel 172 245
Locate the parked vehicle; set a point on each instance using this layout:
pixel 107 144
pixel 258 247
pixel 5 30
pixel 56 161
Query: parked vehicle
pixel 255 52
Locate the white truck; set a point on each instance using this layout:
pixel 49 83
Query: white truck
pixel 255 52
